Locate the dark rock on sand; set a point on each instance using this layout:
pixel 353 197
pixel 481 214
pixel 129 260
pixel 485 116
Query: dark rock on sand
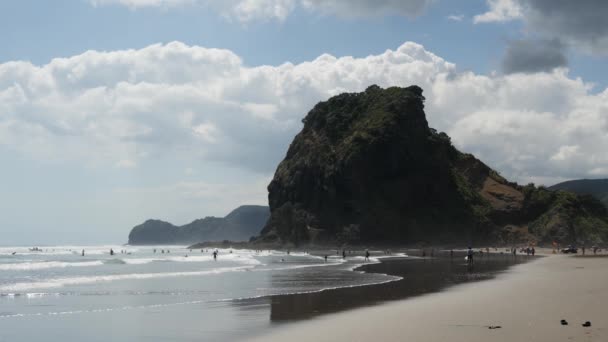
pixel 366 167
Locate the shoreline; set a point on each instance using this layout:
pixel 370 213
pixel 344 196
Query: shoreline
pixel 414 276
pixel 527 302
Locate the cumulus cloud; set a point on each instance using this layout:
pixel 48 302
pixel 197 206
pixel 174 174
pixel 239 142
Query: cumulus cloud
pixel 184 103
pixel 500 11
pixel 580 23
pixel 251 10
pixel 534 55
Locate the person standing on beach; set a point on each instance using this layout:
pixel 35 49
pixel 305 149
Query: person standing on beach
pixel 366 255
pixel 470 256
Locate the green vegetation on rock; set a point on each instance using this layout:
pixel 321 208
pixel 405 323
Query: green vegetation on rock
pixel 597 188
pixel 366 167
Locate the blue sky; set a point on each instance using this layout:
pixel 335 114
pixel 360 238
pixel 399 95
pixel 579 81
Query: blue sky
pixel 98 142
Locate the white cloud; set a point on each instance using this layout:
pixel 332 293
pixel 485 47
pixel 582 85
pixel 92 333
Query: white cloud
pixel 500 11
pixel 252 10
pixel 455 17
pixel 183 103
pixel 126 164
pixel 367 8
pixel 241 10
pixel 565 152
pixel 134 4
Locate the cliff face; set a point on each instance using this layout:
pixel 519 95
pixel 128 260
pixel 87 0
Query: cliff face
pixel 366 167
pixel 240 225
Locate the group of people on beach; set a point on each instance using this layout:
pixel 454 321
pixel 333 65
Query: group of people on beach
pixel 162 251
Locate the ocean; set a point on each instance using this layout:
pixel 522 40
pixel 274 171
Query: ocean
pixel 143 294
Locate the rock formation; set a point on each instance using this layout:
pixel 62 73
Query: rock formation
pixel 366 167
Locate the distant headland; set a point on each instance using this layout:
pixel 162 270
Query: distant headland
pixel 240 225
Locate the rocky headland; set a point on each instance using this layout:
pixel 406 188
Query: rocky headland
pixel 367 168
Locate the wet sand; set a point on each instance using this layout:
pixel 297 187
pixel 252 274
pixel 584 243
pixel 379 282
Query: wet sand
pixel 419 276
pixel 527 302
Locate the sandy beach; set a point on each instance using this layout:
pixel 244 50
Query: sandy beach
pixel 527 302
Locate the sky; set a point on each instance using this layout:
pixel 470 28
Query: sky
pixel 116 111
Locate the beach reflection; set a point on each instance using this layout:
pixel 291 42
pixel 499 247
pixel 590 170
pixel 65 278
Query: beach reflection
pixel 419 276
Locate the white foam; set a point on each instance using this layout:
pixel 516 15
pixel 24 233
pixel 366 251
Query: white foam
pixel 61 282
pixel 98 310
pixel 29 266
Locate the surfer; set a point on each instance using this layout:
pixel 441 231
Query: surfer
pixel 343 254
pixel 111 251
pixel 215 254
pixel 366 255
pixel 325 258
pixel 83 252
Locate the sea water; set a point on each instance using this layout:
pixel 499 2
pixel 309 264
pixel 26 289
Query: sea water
pixel 56 294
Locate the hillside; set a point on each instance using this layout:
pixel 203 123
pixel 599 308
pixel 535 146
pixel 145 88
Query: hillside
pixel 240 225
pixel 366 167
pixel 597 188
